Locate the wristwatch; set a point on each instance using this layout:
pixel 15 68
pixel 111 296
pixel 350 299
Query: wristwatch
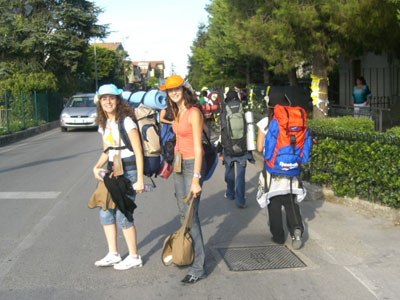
pixel 198 175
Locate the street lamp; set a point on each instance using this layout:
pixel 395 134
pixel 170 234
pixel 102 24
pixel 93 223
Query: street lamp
pixel 95 65
pixel 95 59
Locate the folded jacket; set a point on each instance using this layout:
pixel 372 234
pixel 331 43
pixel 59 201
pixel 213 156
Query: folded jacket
pixel 120 188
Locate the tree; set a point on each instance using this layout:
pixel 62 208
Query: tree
pixel 153 82
pixel 216 57
pixel 261 32
pixel 46 36
pixel 203 69
pixel 110 65
pixel 284 33
pixel 223 45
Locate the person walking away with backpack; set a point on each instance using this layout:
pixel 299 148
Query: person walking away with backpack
pixel 234 148
pixel 203 97
pixel 188 163
pixel 110 109
pixel 281 188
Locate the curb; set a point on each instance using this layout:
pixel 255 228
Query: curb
pixel 23 134
pixel 362 206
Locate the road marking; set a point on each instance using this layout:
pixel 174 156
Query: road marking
pixel 361 278
pixel 29 240
pixel 365 282
pixel 29 195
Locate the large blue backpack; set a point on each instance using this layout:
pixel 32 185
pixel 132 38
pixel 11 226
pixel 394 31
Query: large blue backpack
pixel 287 143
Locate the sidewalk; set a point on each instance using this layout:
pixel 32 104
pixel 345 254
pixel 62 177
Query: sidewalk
pixel 358 238
pixel 348 254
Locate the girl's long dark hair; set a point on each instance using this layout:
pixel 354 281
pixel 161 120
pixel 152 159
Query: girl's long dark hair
pixel 270 115
pixel 189 98
pixel 123 110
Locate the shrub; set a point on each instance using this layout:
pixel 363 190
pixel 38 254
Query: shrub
pixel 360 163
pixel 394 131
pixel 343 123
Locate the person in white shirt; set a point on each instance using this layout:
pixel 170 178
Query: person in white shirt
pixel 110 109
pixel 280 193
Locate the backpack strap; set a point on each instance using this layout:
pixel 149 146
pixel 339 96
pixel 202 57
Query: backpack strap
pixel 130 96
pixel 114 148
pixel 124 135
pixel 287 124
pixel 142 100
pixel 207 138
pixel 264 172
pixel 303 118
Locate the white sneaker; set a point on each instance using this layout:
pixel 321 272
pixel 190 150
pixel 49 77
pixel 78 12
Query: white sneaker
pixel 109 260
pixel 129 262
pixel 296 239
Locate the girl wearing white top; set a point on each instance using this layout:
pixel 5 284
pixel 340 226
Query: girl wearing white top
pixel 110 109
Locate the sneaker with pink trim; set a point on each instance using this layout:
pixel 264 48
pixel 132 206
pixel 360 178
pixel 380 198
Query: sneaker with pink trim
pixel 131 261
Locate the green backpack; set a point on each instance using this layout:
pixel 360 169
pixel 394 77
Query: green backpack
pixel 236 128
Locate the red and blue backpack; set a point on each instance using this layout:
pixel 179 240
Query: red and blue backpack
pixel 287 143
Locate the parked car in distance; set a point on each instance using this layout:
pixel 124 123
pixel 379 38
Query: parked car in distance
pixel 79 112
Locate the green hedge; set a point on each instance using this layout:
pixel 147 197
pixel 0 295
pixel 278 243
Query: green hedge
pixel 354 161
pixel 394 131
pixel 343 123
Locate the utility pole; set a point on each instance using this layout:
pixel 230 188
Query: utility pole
pixel 95 60
pixel 172 69
pixel 95 65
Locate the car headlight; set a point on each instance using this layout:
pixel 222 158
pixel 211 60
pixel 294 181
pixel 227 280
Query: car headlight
pixel 93 115
pixel 64 115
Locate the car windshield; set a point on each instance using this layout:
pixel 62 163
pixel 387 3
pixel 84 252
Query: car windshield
pixel 84 101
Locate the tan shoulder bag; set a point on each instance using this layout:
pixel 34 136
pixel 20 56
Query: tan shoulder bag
pixel 178 246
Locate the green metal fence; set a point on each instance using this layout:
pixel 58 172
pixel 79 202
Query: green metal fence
pixel 21 111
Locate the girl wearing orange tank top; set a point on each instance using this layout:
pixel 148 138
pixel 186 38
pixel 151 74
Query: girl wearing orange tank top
pixel 188 126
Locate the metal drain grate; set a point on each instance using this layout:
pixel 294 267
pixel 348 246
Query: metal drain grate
pixel 260 258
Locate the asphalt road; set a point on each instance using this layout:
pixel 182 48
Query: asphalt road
pixel 49 239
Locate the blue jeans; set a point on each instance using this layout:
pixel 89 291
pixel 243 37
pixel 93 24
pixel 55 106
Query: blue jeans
pixel 115 216
pixel 182 182
pixel 235 188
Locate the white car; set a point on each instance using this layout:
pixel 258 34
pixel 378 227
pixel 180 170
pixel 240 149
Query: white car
pixel 79 112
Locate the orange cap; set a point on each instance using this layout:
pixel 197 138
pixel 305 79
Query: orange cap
pixel 172 82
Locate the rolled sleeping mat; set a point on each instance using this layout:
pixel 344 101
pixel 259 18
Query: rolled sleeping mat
pixel 133 99
pixel 153 99
pixel 251 134
pixel 209 107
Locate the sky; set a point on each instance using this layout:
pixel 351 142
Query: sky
pixel 154 29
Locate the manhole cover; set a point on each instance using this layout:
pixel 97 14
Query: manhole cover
pixel 260 258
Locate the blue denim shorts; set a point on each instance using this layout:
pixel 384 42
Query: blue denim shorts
pixel 115 216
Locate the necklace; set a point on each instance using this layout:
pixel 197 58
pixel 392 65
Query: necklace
pixel 180 112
